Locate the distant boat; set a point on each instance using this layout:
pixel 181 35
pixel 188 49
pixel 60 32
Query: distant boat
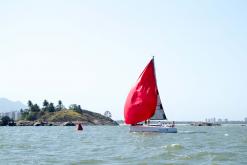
pixel 144 104
pixel 205 124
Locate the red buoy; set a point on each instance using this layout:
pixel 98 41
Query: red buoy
pixel 79 127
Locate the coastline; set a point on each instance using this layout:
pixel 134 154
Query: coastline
pixel 68 123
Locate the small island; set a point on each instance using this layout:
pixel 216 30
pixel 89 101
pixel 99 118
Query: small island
pixel 51 115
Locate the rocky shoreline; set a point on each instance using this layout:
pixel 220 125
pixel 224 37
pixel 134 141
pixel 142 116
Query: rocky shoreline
pixel 64 118
pixel 69 123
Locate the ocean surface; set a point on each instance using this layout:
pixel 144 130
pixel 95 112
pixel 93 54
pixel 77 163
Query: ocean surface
pixel 226 144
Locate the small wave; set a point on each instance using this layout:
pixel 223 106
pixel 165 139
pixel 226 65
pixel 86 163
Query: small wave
pixel 91 161
pixel 191 132
pixel 226 134
pixel 212 156
pixel 173 146
pixel 187 138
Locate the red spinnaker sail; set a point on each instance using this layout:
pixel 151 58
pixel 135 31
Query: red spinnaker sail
pixel 142 99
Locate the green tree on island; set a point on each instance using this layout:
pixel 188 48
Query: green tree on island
pixel 29 104
pixel 76 108
pixel 34 112
pixel 51 107
pixel 6 120
pixel 45 105
pixel 59 106
pixel 35 108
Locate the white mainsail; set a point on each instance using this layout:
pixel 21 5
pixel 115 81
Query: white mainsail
pixel 159 112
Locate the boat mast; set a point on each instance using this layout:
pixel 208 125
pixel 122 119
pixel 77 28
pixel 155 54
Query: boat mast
pixel 155 75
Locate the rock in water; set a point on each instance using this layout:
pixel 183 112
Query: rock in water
pixel 68 124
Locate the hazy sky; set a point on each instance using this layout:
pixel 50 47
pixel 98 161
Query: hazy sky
pixel 91 53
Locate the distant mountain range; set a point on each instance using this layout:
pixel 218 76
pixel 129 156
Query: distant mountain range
pixel 8 105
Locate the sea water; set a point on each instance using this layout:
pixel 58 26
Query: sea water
pixel 225 144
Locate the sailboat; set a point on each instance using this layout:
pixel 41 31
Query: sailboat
pixel 143 104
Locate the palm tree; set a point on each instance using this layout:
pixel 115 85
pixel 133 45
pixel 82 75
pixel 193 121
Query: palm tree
pixel 60 105
pixel 45 105
pixel 35 108
pixel 30 105
pixel 51 107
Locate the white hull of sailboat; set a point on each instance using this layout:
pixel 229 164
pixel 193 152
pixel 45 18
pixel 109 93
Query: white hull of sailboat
pixel 158 129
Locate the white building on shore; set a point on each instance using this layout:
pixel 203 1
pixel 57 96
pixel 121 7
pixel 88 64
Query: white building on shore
pixel 219 120
pixel 211 120
pixel 13 115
